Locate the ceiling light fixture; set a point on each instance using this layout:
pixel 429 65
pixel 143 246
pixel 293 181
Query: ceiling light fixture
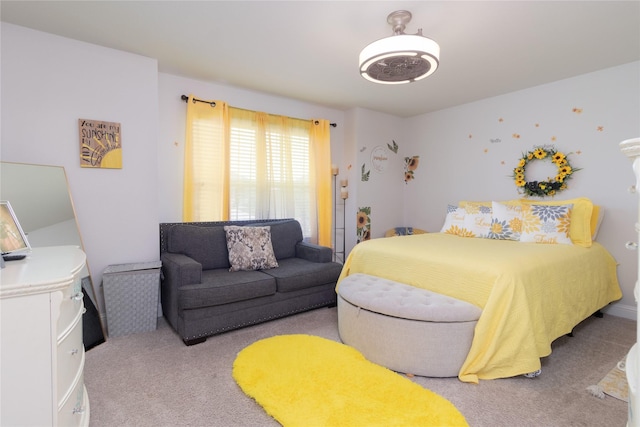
pixel 401 58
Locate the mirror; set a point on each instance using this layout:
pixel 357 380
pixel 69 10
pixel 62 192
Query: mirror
pixel 42 202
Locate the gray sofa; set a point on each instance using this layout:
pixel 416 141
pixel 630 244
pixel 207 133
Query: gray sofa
pixel 201 297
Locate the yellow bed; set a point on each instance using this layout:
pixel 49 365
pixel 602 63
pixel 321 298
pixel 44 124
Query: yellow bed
pixel 530 293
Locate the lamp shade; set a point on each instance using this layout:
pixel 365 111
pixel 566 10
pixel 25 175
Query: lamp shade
pixel 399 59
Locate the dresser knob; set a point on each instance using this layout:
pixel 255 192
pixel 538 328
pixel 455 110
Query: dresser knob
pixel 78 410
pixel 74 351
pixel 77 296
pixel 632 246
pixel 632 189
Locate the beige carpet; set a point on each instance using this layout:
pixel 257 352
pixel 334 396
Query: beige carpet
pixel 152 379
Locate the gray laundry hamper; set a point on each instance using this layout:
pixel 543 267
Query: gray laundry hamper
pixel 131 297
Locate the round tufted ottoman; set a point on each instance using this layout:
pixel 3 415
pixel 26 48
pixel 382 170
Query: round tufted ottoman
pixel 404 328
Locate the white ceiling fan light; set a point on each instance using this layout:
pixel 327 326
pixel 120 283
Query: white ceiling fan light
pixel 400 58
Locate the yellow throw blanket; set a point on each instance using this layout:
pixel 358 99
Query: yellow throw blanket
pixel 530 293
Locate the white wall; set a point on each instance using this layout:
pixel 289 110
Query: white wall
pixel 469 152
pixel 383 191
pixel 50 82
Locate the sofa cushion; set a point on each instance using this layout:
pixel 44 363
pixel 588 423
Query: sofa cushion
pixel 206 245
pixel 250 248
pixel 284 236
pixel 294 274
pixel 220 287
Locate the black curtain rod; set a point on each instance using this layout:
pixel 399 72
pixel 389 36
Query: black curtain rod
pixel 185 98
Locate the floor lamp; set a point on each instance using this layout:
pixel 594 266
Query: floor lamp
pixel 334 173
pixel 344 195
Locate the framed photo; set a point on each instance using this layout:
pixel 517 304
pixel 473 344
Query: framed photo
pixel 12 237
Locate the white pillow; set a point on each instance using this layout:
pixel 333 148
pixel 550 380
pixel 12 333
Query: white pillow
pixel 546 224
pixel 506 221
pixel 477 219
pixel 454 222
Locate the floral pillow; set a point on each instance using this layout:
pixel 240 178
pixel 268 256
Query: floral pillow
pixel 454 222
pixel 506 221
pixel 477 219
pixel 582 212
pixel 546 224
pixel 250 248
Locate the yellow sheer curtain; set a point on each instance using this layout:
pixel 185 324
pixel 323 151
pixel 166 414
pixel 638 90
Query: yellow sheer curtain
pixel 242 164
pixel 320 141
pixel 206 159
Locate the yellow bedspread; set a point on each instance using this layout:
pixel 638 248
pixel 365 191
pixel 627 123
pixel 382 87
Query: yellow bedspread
pixel 530 293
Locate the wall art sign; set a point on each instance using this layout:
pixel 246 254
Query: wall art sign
pixel 100 144
pixel 379 159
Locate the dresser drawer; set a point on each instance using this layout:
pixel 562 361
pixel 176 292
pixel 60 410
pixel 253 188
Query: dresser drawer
pixel 71 304
pixel 70 357
pixel 75 410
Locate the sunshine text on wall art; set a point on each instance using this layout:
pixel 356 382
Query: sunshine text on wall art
pixel 100 144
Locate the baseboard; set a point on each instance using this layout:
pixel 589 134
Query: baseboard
pixel 620 310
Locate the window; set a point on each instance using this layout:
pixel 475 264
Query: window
pixel 269 174
pixel 246 165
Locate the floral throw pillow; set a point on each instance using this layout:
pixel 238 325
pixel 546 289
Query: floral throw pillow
pixel 477 219
pixel 454 222
pixel 546 224
pixel 506 221
pixel 250 248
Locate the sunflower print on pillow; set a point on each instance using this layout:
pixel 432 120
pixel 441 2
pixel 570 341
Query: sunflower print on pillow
pixel 454 222
pixel 506 222
pixel 546 224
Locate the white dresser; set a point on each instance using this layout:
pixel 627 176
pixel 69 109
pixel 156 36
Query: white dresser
pixel 631 148
pixel 42 354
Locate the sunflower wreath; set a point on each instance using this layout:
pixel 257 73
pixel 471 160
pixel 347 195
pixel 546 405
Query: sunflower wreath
pixel 543 188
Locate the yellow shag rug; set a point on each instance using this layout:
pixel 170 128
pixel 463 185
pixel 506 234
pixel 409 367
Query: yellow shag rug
pixel 308 381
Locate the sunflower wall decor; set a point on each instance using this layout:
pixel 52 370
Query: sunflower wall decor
pixel 363 223
pixel 410 165
pixel 552 185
